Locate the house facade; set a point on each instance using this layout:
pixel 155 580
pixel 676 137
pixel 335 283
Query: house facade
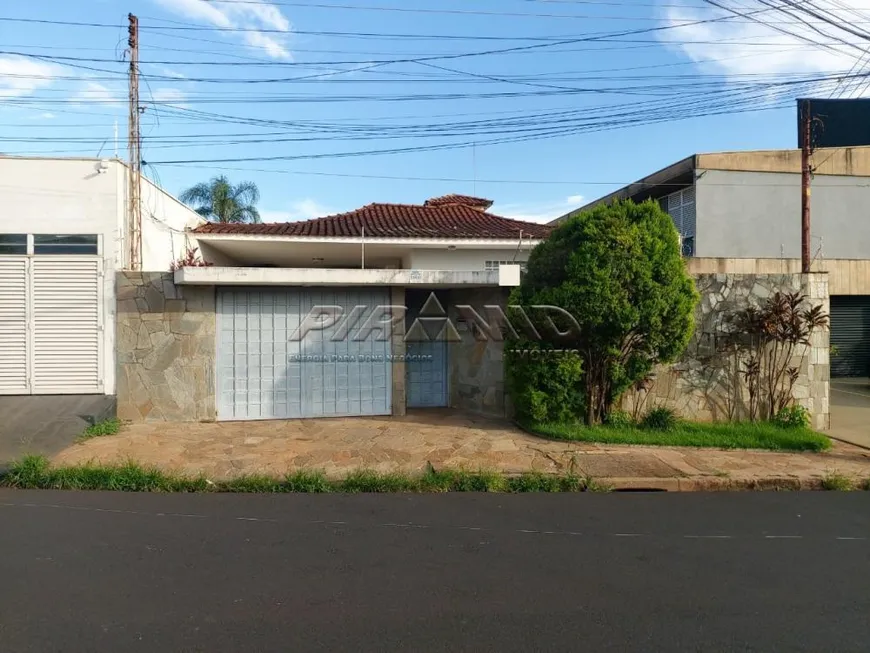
pixel 63 236
pixel 370 312
pixel 740 212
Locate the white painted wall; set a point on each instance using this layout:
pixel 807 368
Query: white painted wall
pixel 461 259
pixel 164 220
pixel 87 196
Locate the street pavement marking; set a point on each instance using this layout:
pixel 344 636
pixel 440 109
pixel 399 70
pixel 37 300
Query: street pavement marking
pixel 256 519
pixel 709 537
pixel 783 537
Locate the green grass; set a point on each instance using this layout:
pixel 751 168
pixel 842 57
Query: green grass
pixel 35 472
pixel 836 482
pixel 106 427
pixel 691 434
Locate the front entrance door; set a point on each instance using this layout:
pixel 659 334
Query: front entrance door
pixel 426 349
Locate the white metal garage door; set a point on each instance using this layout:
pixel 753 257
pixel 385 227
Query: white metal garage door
pixel 50 325
pixel 262 374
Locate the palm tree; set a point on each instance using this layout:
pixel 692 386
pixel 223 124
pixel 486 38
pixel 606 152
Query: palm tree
pixel 221 201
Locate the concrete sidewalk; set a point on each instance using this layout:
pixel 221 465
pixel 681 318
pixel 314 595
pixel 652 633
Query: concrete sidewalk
pixel 448 439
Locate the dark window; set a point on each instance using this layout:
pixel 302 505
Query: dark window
pixel 55 244
pixel 13 244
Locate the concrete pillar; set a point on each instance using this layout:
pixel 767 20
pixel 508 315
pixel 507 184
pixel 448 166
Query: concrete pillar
pixel 815 287
pixel 397 298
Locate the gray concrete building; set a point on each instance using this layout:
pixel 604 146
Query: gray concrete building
pixel 740 212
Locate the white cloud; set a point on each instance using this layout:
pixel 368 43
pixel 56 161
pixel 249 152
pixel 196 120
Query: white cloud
pixel 304 209
pixel 197 9
pixel 96 93
pixel 271 46
pixel 20 76
pixel 540 211
pixel 169 72
pixel 253 15
pixel 743 46
pixel 169 96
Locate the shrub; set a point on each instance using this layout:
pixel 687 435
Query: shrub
pixel 767 339
pixel 610 284
pixel 619 419
pixel 792 417
pixel 544 387
pixel 660 419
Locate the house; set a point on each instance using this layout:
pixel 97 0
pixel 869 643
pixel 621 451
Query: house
pixel 63 236
pixel 740 212
pixel 368 312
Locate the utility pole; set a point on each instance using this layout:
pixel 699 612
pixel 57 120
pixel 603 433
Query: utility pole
pixel 135 151
pixel 806 175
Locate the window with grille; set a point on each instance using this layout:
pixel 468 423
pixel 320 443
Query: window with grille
pixel 494 265
pixel 681 207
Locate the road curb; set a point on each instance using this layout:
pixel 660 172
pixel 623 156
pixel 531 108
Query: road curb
pixel 711 484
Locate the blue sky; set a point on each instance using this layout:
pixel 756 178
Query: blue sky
pixel 223 57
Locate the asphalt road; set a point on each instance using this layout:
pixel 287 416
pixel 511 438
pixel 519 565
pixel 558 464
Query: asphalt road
pixel 622 572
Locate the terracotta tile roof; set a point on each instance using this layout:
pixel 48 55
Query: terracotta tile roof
pixel 396 221
pixel 452 198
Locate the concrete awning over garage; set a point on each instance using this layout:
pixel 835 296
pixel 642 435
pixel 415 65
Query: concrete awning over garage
pixel 506 275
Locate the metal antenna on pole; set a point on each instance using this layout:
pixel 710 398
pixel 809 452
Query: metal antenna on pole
pixel 474 168
pixel 135 150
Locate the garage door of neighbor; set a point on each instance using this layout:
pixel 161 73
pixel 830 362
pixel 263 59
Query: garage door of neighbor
pixel 51 325
pixel 262 374
pixel 850 334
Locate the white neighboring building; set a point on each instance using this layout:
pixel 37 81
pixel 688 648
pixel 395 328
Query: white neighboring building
pixel 63 235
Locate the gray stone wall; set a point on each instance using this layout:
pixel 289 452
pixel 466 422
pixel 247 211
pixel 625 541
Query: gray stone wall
pixel 706 385
pixel 477 363
pixel 165 349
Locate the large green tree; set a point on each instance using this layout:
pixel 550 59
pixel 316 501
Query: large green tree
pixel 220 201
pixel 618 271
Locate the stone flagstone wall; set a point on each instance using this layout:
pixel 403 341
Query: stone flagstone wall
pixel 706 385
pixel 477 366
pixel 165 349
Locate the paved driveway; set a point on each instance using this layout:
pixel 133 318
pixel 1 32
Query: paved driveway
pixel 46 424
pixel 850 410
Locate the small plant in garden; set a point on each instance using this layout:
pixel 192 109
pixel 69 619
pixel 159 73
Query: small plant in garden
pixel 620 419
pixel 775 341
pixel 792 417
pixel 660 419
pixel 106 427
pixel 191 259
